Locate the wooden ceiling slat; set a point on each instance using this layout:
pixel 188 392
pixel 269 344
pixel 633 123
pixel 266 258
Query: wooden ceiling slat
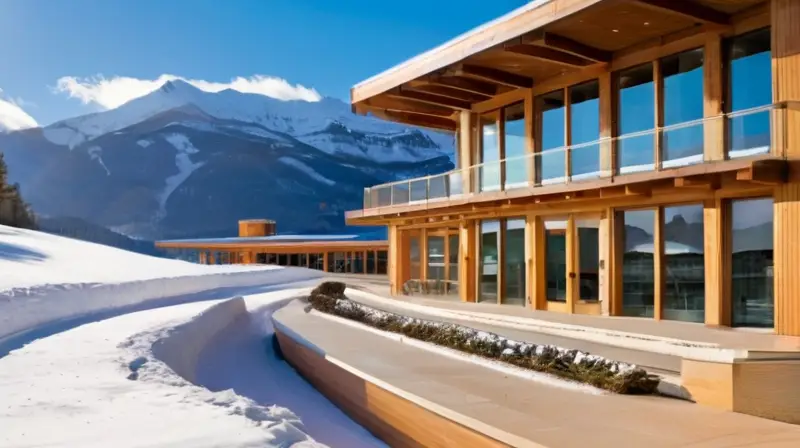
pixel 691 10
pixel 496 76
pixel 430 98
pixel 574 47
pixel 548 54
pixel 450 92
pixel 402 105
pixel 466 84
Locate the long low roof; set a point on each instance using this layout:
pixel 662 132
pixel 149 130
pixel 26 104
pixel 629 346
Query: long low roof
pixel 280 241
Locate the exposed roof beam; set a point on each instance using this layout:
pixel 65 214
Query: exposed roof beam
pixel 766 172
pixel 547 54
pixel 496 76
pixel 449 92
pixel 569 46
pixel 429 98
pixel 692 10
pixel 467 85
pixel 402 105
pixel 421 120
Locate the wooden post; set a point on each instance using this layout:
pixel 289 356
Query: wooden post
pixel 658 86
pixel 395 265
pixel 713 129
pixel 325 262
pixel 467 261
pixel 617 252
pixel 785 21
pixel 423 254
pixel 605 232
pixel 466 123
pixel 535 262
pixel 567 136
pixel 572 266
pixel 530 139
pixel 212 258
pixel 717 255
pixel 658 264
pixel 501 261
pixel 607 119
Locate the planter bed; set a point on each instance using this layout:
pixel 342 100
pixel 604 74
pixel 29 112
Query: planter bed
pixel 573 365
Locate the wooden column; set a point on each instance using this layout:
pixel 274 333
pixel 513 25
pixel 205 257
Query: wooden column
pixel 567 136
pixel 501 261
pixel 572 266
pixel 658 87
pixel 605 233
pixel 467 260
pixel 530 137
pixel 395 267
pixel 714 129
pixel 607 119
pixel 616 253
pixel 423 254
pixel 785 21
pixel 364 269
pixel 717 255
pixel 212 258
pixel 659 273
pixel 201 257
pixel 535 262
pixel 466 123
pixel 325 262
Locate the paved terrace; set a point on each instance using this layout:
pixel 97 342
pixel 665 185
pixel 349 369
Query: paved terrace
pixel 529 413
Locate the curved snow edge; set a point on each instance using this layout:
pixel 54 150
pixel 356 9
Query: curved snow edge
pixel 23 310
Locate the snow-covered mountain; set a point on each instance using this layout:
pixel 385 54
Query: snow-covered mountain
pixel 13 118
pixel 184 162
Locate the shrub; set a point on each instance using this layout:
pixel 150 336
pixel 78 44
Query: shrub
pixel 573 365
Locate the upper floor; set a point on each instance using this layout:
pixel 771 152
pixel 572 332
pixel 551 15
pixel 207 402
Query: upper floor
pixel 562 97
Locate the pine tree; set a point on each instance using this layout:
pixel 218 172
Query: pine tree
pixel 14 211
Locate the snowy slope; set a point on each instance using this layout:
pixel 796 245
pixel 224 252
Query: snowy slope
pixel 303 120
pixel 29 258
pixel 13 118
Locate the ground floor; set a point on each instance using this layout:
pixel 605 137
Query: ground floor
pixel 345 262
pixel 700 255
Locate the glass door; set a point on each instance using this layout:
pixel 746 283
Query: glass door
pixel 555 254
pixel 588 278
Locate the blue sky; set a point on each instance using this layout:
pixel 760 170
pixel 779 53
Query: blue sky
pixel 326 45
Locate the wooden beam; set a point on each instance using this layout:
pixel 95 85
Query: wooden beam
pixel 576 48
pixel 547 54
pixel 466 84
pixel 691 10
pixel 637 190
pixel 767 172
pixel 403 105
pixel 449 92
pixel 420 120
pixel 495 76
pixel 430 98
pixel 710 183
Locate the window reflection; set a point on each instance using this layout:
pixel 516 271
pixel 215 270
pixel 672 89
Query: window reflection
pixel 490 153
pixel 555 252
pixel 436 258
pixel 585 130
pixel 638 262
pixel 514 266
pixel 589 259
pixel 516 165
pixel 684 264
pixel 490 236
pixel 636 119
pixel 552 160
pixel 750 81
pixel 683 102
pixel 752 263
pixel 414 254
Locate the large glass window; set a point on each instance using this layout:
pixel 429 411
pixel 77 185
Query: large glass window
pixel 589 259
pixel 552 160
pixel 436 258
pixel 414 254
pixel 516 165
pixel 490 153
pixel 555 253
pixel 370 262
pixel 752 263
pixel 453 242
pixel 514 266
pixel 490 243
pixel 750 85
pixel 683 102
pixel 636 119
pixel 638 264
pixel 383 258
pixel 684 264
pixel 584 102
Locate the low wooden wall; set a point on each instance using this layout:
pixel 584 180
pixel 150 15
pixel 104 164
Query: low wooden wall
pixel 394 419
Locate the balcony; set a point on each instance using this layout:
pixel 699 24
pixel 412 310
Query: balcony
pixel 757 133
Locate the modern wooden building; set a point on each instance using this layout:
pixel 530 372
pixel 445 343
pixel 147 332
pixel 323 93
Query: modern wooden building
pixel 258 243
pixel 614 157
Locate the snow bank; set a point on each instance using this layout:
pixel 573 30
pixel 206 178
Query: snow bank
pixel 181 348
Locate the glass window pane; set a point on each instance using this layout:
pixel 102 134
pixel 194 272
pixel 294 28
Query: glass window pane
pixel 514 266
pixel 752 263
pixel 552 160
pixel 555 253
pixel 516 165
pixel 683 102
pixel 589 259
pixel 636 119
pixel 750 81
pixel 436 258
pixel 383 258
pixel 414 253
pixel 490 154
pixel 638 266
pixel 490 235
pixel 453 241
pixel 684 264
pixel 584 102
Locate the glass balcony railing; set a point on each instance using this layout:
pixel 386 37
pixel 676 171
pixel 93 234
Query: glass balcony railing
pixel 747 133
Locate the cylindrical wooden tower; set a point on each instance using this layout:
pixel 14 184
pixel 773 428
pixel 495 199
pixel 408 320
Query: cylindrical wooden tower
pixel 256 227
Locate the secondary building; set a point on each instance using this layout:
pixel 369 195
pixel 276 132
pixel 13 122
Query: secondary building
pixel 258 243
pixel 614 157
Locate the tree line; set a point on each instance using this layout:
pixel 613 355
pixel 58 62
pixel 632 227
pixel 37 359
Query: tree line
pixel 14 211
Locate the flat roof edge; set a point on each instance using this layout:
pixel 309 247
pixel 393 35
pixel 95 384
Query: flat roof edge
pixel 524 19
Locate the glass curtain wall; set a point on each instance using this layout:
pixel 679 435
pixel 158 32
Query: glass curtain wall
pixel 514 261
pixel 551 160
pixel 638 264
pixel 516 165
pixel 682 74
pixel 749 85
pixel 489 172
pixel 488 261
pixel 584 103
pixel 636 119
pixel 684 264
pixel 752 289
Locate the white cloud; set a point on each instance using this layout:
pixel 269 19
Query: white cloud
pixel 12 117
pixel 109 93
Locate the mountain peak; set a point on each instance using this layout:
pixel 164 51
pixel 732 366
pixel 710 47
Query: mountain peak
pixel 177 85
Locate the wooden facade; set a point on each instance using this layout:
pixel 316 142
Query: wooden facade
pixel 549 225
